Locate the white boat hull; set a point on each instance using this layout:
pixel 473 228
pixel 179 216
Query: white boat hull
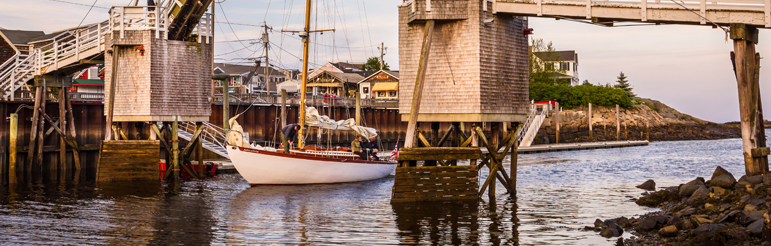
pixel 260 167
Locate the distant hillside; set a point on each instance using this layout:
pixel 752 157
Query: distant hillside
pixel 670 113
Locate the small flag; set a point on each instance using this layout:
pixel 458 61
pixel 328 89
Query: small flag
pixel 395 153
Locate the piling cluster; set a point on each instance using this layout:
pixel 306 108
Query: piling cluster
pixel 720 211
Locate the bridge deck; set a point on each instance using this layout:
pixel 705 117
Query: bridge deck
pixel 751 12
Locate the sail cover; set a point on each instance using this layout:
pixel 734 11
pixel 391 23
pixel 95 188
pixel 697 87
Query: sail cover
pixel 313 119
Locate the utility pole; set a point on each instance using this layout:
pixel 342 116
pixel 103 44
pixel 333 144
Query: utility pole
pixel 382 53
pixel 271 86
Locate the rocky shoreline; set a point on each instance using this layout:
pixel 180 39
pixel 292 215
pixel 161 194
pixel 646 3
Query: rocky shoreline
pixel 718 211
pixel 652 120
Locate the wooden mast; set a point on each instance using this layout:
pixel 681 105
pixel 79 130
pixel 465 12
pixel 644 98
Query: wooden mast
pixel 305 72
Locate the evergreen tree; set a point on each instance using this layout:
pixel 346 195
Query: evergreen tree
pixel 623 84
pixel 373 64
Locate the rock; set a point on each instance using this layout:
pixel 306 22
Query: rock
pixel 725 206
pixel 668 231
pixel 739 233
pixel 607 232
pixel 700 194
pixel 700 219
pixel 757 179
pixel 729 215
pixel 687 225
pixel 767 178
pixel 717 190
pixel 708 229
pixel 724 181
pixel 742 185
pixel 620 242
pixel 711 207
pixel 719 171
pixel 754 215
pixel 657 198
pixel 649 185
pixel 756 228
pixel 687 211
pixel 697 181
pixel 687 190
pixel 757 201
pixel 750 207
pixel 745 198
pixel 597 223
pixel 647 224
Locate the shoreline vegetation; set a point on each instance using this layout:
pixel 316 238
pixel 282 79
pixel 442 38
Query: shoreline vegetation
pixel 648 120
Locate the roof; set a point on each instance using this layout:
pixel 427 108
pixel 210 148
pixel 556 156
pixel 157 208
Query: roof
pixel 44 37
pixel 386 86
pixel 565 55
pixel 21 37
pixel 291 86
pixel 344 77
pixel 347 66
pixel 87 82
pixel 394 74
pixel 243 69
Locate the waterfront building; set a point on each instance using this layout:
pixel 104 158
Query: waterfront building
pixel 566 61
pixel 12 41
pixel 90 80
pixel 380 85
pixel 339 78
pixel 239 73
pixel 292 87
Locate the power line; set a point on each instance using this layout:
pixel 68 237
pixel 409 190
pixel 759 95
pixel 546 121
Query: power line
pixel 73 3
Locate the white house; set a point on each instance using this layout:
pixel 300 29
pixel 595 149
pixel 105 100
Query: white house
pixel 566 60
pixel 380 85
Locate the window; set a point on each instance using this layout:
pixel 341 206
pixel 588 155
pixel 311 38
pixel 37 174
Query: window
pixel 564 66
pixel 381 94
pixel 392 93
pixel 575 66
pixel 365 90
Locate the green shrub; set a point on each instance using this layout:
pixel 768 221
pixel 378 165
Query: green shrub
pixel 572 96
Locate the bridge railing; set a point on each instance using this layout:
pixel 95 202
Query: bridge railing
pixel 70 44
pixel 124 18
pixel 205 27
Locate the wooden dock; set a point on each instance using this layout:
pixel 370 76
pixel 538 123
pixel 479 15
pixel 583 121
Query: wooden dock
pixel 576 146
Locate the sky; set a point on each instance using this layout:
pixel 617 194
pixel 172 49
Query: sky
pixel 685 67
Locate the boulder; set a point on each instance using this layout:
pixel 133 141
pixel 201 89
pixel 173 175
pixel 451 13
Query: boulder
pixel 742 185
pixel 687 225
pixel 700 194
pixel 597 223
pixel 647 224
pixel 717 190
pixel 708 229
pixel 754 180
pixel 754 215
pixel 668 231
pixel 657 198
pixel 724 181
pixel 739 233
pixel 756 228
pixel 767 178
pixel 697 181
pixel 687 190
pixel 719 171
pixel 648 185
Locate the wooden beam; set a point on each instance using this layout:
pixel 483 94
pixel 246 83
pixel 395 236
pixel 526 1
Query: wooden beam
pixel 14 135
pixel 71 121
pixel 417 92
pixel 33 130
pixel 446 135
pixel 423 139
pixel 439 153
pixel 63 125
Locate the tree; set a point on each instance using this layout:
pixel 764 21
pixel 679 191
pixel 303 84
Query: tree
pixel 373 64
pixel 586 82
pixel 622 83
pixel 542 67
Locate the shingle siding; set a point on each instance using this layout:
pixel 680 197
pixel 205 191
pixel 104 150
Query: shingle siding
pixel 172 78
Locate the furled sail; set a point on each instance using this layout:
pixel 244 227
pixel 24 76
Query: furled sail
pixel 313 119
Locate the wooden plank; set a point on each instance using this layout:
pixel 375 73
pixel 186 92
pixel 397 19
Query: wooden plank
pixel 760 152
pixel 404 169
pixel 417 92
pixel 469 174
pixel 128 163
pixel 439 153
pixel 449 193
pixel 412 182
pixel 432 187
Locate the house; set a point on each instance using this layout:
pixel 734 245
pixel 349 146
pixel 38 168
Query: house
pixel 292 87
pixel 567 61
pixel 380 85
pixel 239 73
pixel 90 80
pixel 13 41
pixel 339 78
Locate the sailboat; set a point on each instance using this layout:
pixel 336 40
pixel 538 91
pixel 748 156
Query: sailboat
pixel 304 165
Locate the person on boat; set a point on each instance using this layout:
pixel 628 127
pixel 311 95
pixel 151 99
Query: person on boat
pixel 372 149
pixel 356 147
pixel 288 134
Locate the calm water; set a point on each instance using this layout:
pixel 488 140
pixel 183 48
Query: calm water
pixel 558 194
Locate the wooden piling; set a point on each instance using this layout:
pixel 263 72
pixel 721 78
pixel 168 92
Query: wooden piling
pixel 557 113
pixel 199 144
pixel 514 158
pixel 63 126
pixel 591 137
pixel 618 124
pixel 283 108
pixel 226 106
pixel 111 102
pixel 41 127
pixel 13 148
pixel 495 131
pixel 746 65
pixel 175 148
pixel 33 130
pixel 358 109
pixel 75 150
pixel 417 93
